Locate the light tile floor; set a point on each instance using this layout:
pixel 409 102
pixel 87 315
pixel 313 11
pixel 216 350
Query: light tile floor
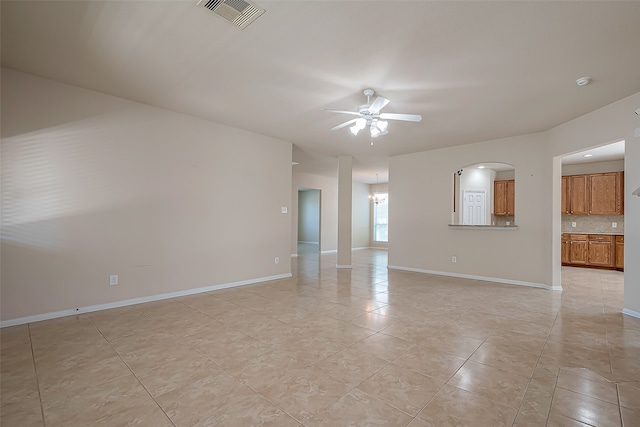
pixel 329 347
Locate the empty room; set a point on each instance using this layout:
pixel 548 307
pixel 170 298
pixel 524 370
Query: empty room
pixel 320 213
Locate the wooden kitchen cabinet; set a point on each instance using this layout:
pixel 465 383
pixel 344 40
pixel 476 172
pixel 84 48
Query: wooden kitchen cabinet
pixel 566 249
pixel 566 205
pixel 593 250
pixel 620 252
pixel 504 197
pixel 601 250
pixel 578 249
pixel 574 194
pixel 593 194
pixel 606 193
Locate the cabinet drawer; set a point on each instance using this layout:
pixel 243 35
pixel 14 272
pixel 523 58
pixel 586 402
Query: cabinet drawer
pixel 578 237
pixel 600 238
pixel 619 239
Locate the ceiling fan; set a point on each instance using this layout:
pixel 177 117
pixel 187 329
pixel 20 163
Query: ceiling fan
pixel 370 115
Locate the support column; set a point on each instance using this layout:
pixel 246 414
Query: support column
pixel 344 211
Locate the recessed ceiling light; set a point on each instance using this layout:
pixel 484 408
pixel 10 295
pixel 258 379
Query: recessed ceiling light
pixel 588 155
pixel 481 167
pixel 583 81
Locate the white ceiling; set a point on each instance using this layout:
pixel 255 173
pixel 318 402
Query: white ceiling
pixel 603 153
pixel 474 70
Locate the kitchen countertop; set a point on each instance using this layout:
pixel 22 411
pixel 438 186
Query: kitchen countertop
pixel 585 232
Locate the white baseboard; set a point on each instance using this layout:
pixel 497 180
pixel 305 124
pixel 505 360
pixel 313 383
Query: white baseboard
pixel 92 308
pixel 343 266
pixel 474 277
pixel 631 313
pixel 294 255
pixel 308 243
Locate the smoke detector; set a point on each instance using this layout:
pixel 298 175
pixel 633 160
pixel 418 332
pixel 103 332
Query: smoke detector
pixel 583 81
pixel 240 13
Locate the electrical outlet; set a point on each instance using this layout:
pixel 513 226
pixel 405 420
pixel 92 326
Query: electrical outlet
pixel 277 260
pixel 284 210
pixel 454 259
pixel 614 225
pixel 573 224
pixel 113 280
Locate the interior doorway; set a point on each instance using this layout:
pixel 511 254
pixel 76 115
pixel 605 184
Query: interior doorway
pixel 309 204
pixel 583 238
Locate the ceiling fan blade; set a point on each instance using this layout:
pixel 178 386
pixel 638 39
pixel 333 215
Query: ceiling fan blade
pixel 353 113
pixel 405 117
pixel 345 124
pixel 379 103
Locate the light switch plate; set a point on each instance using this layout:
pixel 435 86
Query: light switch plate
pixel 284 209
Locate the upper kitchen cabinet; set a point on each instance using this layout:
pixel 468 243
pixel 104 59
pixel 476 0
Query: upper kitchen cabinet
pixel 606 193
pixel 593 194
pixel 574 194
pixel 504 195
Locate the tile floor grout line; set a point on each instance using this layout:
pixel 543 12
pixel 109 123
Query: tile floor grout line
pixel 133 373
pixel 35 369
pixel 574 306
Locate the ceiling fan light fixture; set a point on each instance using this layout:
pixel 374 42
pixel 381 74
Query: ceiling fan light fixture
pixel 379 128
pixel 370 115
pixel 358 126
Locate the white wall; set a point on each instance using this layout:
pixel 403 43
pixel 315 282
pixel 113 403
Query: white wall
pixel 593 167
pixel 419 235
pixel 94 185
pixel 309 216
pixel 420 239
pixel 361 225
pixel 606 125
pixel 328 212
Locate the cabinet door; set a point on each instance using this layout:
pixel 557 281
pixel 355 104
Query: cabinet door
pixel 511 197
pixel 600 253
pixel 578 252
pixel 500 198
pixel 619 251
pixel 566 249
pixel 578 194
pixel 605 194
pixel 565 195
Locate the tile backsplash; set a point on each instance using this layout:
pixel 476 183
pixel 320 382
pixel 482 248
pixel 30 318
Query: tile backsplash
pixel 593 224
pixel 502 220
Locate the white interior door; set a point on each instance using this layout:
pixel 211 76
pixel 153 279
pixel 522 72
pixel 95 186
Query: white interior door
pixel 474 207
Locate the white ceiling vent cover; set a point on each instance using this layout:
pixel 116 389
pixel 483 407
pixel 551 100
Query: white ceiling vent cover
pixel 240 13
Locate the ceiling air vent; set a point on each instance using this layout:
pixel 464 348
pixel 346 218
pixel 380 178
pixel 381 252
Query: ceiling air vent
pixel 240 13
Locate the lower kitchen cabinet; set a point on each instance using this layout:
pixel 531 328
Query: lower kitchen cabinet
pixel 601 250
pixel 593 250
pixel 566 249
pixel 578 249
pixel 620 252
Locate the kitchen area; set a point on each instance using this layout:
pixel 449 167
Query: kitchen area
pixel 593 208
